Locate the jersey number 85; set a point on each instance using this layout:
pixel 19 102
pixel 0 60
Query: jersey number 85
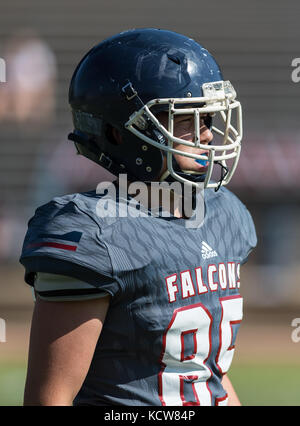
pixel 194 324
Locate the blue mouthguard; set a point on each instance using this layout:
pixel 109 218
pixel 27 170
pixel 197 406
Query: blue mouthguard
pixel 202 162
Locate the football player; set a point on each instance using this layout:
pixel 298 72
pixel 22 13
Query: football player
pixel 142 309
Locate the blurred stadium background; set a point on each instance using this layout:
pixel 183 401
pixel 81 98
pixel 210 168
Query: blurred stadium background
pixel 254 42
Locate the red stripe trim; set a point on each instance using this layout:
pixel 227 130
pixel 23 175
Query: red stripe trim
pixel 218 400
pixel 55 245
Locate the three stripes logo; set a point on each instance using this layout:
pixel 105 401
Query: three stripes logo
pixel 207 251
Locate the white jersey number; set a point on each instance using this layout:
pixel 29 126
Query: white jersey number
pixel 191 326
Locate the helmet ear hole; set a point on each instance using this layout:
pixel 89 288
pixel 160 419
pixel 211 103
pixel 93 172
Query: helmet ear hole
pixel 113 135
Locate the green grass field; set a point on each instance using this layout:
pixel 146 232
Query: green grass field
pixel 259 384
pixel 12 380
pixel 256 384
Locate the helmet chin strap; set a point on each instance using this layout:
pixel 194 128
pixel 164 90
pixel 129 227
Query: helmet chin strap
pixel 167 177
pixel 224 173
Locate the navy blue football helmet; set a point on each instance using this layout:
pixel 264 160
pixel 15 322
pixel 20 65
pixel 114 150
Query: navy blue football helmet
pixel 126 80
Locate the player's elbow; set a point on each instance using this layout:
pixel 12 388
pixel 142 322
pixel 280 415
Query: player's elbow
pixel 44 393
pixel 42 398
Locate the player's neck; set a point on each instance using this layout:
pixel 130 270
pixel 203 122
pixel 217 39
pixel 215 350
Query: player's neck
pixel 154 197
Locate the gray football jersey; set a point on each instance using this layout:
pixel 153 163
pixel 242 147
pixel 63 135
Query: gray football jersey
pixel 175 308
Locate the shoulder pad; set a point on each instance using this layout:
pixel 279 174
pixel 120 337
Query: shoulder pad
pixel 63 238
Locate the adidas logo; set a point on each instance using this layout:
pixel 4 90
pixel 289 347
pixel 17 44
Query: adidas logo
pixel 207 251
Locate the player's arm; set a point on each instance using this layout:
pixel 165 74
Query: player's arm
pixel 62 343
pixel 233 399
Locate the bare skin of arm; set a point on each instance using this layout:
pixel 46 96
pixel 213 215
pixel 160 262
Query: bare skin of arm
pixel 62 343
pixel 233 399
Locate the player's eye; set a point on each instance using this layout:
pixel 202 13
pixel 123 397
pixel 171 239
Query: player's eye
pixel 205 120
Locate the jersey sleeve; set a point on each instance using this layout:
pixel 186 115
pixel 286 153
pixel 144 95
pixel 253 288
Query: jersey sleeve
pixel 240 225
pixel 245 224
pixel 64 241
pixel 249 233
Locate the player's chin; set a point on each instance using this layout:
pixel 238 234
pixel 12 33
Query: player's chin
pixel 201 172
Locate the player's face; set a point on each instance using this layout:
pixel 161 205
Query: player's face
pixel 184 128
